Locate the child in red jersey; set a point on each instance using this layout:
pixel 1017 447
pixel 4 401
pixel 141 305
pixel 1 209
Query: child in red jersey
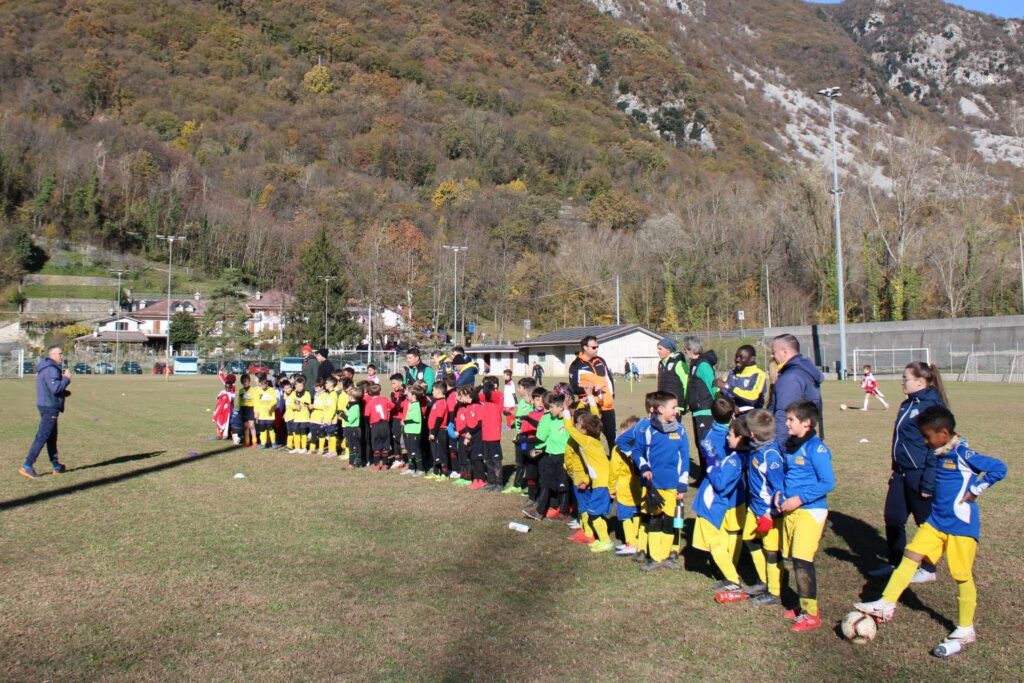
pixel 470 430
pixel 870 387
pixel 222 408
pixel 378 415
pixel 437 432
pixel 399 401
pixel 491 404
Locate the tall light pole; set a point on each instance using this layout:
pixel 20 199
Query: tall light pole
pixel 170 239
pixel 327 280
pixel 117 314
pixel 831 94
pixel 455 249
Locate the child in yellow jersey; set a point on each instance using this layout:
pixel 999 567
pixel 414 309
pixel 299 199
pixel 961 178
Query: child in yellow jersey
pixel 329 419
pixel 341 393
pixel 247 409
pixel 624 486
pixel 266 402
pixel 297 408
pixel 594 499
pixel 316 416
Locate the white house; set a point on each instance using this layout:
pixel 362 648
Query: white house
pixel 496 358
pixel 152 316
pixel 266 313
pixel 122 329
pixel 555 351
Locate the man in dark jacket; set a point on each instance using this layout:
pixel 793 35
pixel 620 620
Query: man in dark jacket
pixel 700 394
pixel 673 372
pixel 51 390
pixel 310 366
pixel 798 380
pixel 326 368
pixel 417 370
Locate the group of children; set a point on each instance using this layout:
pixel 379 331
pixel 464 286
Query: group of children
pixel 754 493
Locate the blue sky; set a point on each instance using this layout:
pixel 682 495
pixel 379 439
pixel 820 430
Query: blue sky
pixel 1000 8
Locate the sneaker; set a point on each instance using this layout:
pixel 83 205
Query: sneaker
pixel 495 488
pixel 724 586
pixel 455 475
pixel 923 576
pixel 879 609
pixel 806 622
pixel 557 517
pixel 397 465
pixel 625 551
pixel 641 556
pixel 477 485
pixel 235 439
pixel 672 563
pixel 510 489
pixel 764 599
pixel 726 597
pixel 574 524
pixel 791 614
pixel 955 641
pixel 600 547
pixel 328 455
pixel 404 472
pixel 756 589
pixel 884 570
pixel 531 513
pixel 59 469
pixel 652 566
pixel 581 537
pixel 27 472
pixel 429 476
pixel 463 482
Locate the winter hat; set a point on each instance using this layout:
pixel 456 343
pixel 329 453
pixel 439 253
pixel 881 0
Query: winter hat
pixel 669 344
pixel 307 348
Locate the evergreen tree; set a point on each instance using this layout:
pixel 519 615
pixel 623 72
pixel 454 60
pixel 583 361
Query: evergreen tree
pixel 306 319
pixel 184 330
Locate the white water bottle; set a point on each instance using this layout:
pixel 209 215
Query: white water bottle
pixel 947 648
pixel 519 526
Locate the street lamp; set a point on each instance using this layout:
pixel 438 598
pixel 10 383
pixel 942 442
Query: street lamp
pixel 327 279
pixel 170 239
pixel 831 94
pixel 455 249
pixel 117 330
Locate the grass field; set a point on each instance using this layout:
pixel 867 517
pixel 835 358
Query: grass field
pixel 146 563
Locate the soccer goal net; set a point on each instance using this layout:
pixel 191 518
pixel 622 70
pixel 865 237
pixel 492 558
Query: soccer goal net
pixel 12 364
pixel 887 361
pixel 993 366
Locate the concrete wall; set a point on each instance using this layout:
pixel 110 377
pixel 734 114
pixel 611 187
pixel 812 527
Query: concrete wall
pixel 950 340
pixel 70 280
pixel 78 309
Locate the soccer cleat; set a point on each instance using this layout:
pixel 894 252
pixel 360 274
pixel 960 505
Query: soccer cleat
pixel 764 599
pixel 791 614
pixel 454 475
pixel 725 597
pixel 756 589
pixel 884 570
pixel 923 576
pixel 574 524
pixel 879 609
pixel 672 562
pixel 724 585
pixel 463 482
pixel 59 469
pixel 955 642
pixel 641 556
pixel 600 546
pixel 397 465
pixel 806 622
pixel 27 472
pixel 625 551
pixel 531 513
pixel 328 454
pixel 477 485
pixel 652 566
pixel 581 537
pixel 510 488
pixel 555 515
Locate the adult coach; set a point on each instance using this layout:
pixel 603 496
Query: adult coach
pixel 589 369
pixel 538 374
pixel 700 389
pixel 673 372
pixel 798 380
pixel 325 368
pixel 912 482
pixel 416 370
pixel 310 367
pixel 51 391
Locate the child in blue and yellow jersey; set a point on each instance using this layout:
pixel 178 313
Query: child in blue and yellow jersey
pixel 593 497
pixel 803 503
pixel 329 419
pixel 719 503
pixel 296 415
pixel 662 456
pixel 341 387
pixel 317 408
pixel 247 410
pixel 761 529
pixel 624 484
pixel 626 443
pixel 953 527
pixel 266 402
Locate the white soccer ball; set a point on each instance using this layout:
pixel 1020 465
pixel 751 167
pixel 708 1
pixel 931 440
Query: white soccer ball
pixel 859 628
pixel 843 406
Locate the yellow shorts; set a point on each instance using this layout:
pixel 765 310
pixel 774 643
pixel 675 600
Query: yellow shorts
pixel 734 518
pixel 770 539
pixel 931 543
pixel 801 533
pixel 706 535
pixel 669 506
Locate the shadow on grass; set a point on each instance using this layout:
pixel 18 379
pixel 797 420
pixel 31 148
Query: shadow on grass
pixel 121 459
pixel 113 479
pixel 866 545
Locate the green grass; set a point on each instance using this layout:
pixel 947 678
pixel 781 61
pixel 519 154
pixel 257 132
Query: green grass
pixel 145 563
pixel 70 292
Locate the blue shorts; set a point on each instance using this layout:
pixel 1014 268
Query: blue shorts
pixel 599 502
pixel 248 414
pixel 582 499
pixel 624 512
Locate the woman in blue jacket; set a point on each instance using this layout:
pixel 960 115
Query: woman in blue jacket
pixel 912 482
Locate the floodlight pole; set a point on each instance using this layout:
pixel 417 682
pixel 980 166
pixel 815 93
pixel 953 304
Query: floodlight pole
pixel 618 319
pixel 170 239
pixel 831 94
pixel 455 249
pixel 117 311
pixel 326 279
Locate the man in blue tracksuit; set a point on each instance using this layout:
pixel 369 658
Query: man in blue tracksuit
pixel 51 390
pixel 799 380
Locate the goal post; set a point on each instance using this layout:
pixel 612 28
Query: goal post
pixel 993 366
pixel 887 361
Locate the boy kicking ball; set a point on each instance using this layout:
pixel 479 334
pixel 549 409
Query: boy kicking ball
pixel 953 527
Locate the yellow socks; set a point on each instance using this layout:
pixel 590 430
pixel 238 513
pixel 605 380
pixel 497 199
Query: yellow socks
pixel 332 444
pixel 809 606
pixel 899 580
pixel 585 525
pixel 734 546
pixel 600 528
pixel 774 578
pixel 721 553
pixel 304 441
pixel 967 600
pixel 661 545
pixel 630 528
pixel 266 437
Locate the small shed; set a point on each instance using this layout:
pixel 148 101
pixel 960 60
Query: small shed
pixel 494 359
pixel 555 351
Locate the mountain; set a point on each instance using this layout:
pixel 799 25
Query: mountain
pixel 677 143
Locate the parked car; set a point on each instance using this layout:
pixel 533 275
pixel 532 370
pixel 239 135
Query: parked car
pixel 82 369
pixel 130 367
pixel 104 368
pixel 208 368
pixel 159 367
pixel 258 367
pixel 28 367
pixel 236 367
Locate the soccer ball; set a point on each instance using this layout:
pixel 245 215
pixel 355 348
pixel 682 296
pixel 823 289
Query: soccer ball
pixel 843 406
pixel 859 628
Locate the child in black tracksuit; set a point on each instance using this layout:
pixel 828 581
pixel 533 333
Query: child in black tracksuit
pixel 527 445
pixel 437 431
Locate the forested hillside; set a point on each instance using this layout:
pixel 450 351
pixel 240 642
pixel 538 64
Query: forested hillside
pixel 561 144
